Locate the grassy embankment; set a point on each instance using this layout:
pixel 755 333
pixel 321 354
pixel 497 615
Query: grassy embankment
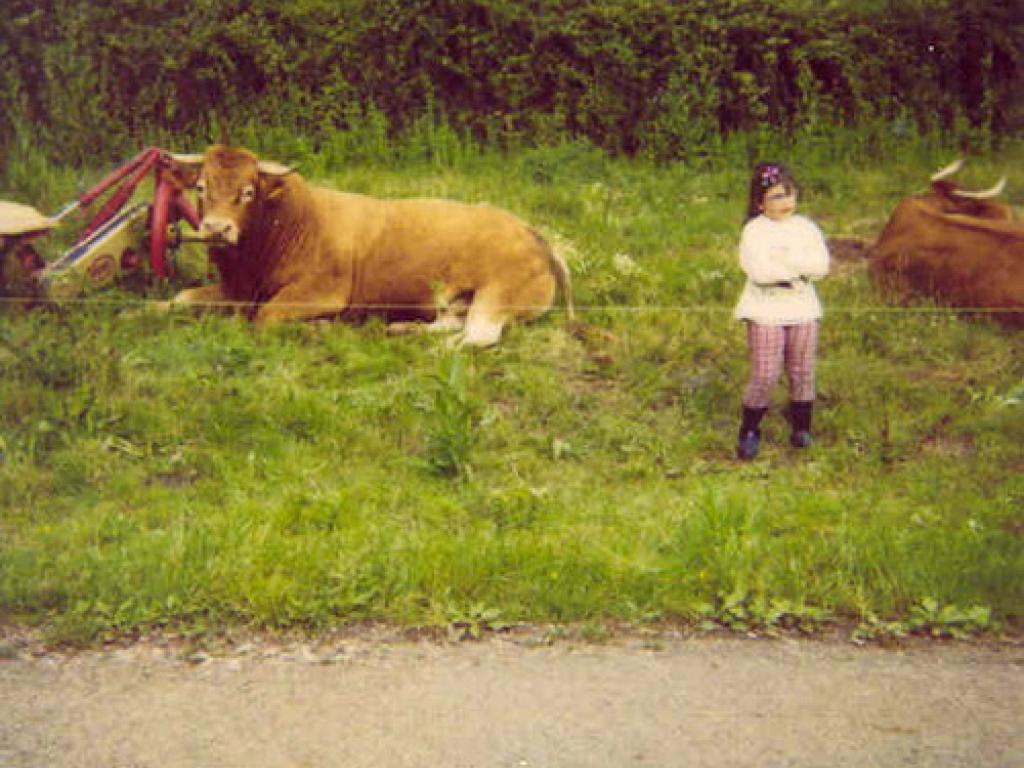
pixel 171 469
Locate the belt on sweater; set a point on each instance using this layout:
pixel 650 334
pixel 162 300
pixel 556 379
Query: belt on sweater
pixel 780 284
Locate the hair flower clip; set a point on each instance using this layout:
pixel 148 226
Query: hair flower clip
pixel 770 175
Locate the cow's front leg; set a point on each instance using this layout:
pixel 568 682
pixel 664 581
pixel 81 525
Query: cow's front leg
pixel 205 295
pixel 301 302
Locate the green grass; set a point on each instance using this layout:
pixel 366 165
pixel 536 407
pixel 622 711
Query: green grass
pixel 172 469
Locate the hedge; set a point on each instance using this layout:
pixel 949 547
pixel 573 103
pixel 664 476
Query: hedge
pixel 665 79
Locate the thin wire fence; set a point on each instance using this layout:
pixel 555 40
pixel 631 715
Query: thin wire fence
pixel 169 304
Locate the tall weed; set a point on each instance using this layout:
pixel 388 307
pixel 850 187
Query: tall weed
pixel 455 417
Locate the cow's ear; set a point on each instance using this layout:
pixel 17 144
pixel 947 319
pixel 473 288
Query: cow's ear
pixel 272 186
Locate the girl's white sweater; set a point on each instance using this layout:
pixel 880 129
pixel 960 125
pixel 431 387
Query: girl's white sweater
pixel 776 253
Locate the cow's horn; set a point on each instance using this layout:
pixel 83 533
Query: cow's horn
pixel 186 159
pixel 949 170
pixel 275 169
pixel 996 190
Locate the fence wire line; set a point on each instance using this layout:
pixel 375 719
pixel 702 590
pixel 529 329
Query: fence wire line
pixel 170 305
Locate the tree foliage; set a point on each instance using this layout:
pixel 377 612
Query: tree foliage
pixel 633 76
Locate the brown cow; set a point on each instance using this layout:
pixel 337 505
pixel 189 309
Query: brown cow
pixel 291 250
pixel 958 247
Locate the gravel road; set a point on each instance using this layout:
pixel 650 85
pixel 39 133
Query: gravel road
pixel 509 703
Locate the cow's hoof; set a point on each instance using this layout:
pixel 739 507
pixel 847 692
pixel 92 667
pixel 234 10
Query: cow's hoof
pixel 152 308
pixel 402 329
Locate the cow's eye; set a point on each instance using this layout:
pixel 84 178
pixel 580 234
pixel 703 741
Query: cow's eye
pixel 247 193
pixel 201 188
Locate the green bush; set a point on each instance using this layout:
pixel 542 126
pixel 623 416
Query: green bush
pixel 669 80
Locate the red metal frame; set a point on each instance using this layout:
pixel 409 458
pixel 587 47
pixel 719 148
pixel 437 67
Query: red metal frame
pixel 169 203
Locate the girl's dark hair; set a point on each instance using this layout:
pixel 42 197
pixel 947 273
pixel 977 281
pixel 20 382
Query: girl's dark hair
pixel 766 176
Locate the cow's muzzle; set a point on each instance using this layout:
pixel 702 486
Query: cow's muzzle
pixel 219 230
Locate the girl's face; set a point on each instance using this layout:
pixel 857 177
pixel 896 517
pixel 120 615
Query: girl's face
pixel 779 202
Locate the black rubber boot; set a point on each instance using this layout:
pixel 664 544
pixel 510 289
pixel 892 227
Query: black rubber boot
pixel 800 420
pixel 750 433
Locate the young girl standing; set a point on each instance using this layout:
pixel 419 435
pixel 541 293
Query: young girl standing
pixel 782 254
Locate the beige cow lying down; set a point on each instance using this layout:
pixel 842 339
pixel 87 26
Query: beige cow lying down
pixel 954 246
pixel 288 250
